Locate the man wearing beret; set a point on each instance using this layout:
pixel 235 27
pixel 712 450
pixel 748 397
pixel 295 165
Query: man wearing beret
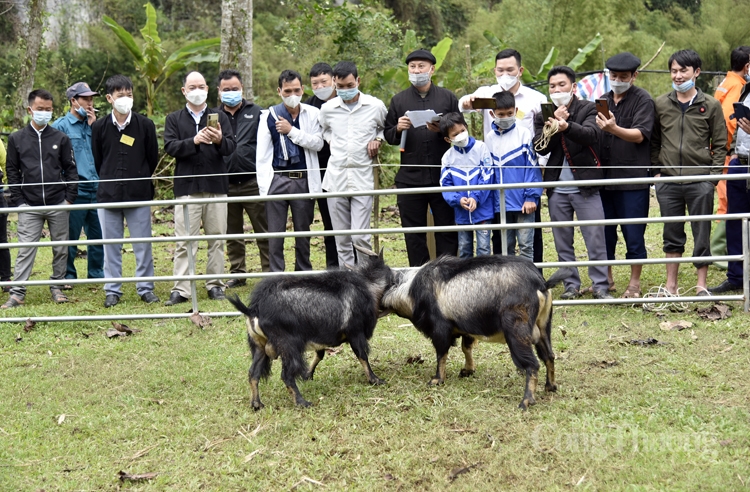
pixel 76 124
pixel 625 154
pixel 421 157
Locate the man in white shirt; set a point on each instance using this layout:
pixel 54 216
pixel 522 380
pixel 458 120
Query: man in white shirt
pixel 352 124
pixel 508 71
pixel 289 138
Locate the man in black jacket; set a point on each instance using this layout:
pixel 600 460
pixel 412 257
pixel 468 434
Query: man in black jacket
pixel 125 152
pixel 321 80
pixel 41 159
pixel 200 172
pixel 421 157
pixel 243 115
pixel 572 156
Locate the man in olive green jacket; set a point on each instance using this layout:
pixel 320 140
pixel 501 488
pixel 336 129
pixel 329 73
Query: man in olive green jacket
pixel 689 139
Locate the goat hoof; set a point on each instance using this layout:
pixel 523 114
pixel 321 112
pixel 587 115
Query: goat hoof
pixel 377 381
pixel 308 377
pixel 257 405
pixel 465 373
pixel 435 382
pixel 304 403
pixel 550 387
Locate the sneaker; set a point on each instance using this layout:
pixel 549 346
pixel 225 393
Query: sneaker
pixel 570 293
pixel 602 294
pixel 724 287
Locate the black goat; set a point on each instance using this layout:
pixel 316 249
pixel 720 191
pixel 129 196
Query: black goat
pixel 489 298
pixel 290 315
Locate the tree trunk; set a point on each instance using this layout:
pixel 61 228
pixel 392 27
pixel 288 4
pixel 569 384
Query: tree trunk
pixel 237 41
pixel 32 39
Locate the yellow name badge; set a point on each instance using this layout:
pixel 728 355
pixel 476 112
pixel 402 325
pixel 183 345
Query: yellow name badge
pixel 127 140
pixel 520 114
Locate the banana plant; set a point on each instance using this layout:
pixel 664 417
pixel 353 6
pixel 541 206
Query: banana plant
pixel 151 60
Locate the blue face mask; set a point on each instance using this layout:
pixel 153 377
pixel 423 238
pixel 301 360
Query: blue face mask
pixel 347 94
pixel 82 112
pixel 685 86
pixel 231 98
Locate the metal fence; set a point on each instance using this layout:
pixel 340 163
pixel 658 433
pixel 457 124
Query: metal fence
pixel 193 276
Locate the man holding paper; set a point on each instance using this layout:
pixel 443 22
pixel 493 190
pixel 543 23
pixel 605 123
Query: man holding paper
pixel 421 155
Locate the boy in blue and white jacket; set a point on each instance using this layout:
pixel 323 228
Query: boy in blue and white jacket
pixel 514 161
pixel 467 163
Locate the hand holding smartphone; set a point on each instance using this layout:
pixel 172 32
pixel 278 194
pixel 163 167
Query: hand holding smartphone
pixel 548 111
pixel 213 120
pixel 602 107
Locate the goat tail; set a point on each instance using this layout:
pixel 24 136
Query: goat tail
pixel 237 303
pixel 558 277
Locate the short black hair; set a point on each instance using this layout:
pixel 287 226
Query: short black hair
pixel 228 74
pixel 739 58
pixel 41 94
pixel 504 100
pixel 564 70
pixel 321 69
pixel 507 53
pixel 685 58
pixel 449 121
pixel 118 82
pixel 343 69
pixel 289 76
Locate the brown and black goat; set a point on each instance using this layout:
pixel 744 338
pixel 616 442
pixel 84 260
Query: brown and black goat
pixel 500 299
pixel 288 316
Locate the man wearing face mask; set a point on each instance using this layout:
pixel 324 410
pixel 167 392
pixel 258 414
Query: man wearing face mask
pixel 321 80
pixel 689 139
pixel 243 115
pixel 200 172
pixel 352 124
pixel 76 124
pixel 626 132
pixel 126 151
pixel 572 157
pixel 289 138
pixel 421 157
pixel 41 159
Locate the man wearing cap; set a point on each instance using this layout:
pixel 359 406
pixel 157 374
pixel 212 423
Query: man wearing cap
pixel 421 157
pixel 625 154
pixel 76 124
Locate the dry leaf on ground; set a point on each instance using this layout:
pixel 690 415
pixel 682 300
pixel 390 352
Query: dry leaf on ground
pixel 675 325
pixel 29 325
pixel 200 320
pixel 122 475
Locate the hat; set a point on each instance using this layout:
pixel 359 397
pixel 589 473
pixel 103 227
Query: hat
pixel 623 62
pixel 421 55
pixel 79 89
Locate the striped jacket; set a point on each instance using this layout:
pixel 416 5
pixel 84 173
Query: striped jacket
pixel 468 166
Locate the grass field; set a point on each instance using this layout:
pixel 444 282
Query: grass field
pixel 77 408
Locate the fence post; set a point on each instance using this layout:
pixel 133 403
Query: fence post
pixel 191 258
pixel 503 233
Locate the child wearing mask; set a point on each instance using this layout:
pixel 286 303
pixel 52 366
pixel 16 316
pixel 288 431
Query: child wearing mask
pixel 514 161
pixel 467 163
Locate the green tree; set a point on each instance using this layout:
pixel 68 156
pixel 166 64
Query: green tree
pixel 150 60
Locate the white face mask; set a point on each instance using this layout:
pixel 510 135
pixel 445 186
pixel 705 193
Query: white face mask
pixel 41 118
pixel 507 81
pixel 323 93
pixel 291 101
pixel 505 123
pixel 619 87
pixel 197 97
pixel 123 105
pixel 562 98
pixel 461 140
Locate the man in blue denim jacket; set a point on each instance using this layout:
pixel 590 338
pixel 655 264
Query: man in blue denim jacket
pixel 76 124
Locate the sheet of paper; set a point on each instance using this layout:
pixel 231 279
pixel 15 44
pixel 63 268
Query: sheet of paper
pixel 421 118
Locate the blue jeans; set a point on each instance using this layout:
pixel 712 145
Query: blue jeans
pixel 525 237
pixel 88 220
pixel 466 243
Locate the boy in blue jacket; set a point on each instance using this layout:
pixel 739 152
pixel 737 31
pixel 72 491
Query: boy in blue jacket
pixel 514 161
pixel 467 163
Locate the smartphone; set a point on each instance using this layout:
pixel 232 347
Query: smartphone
pixel 740 111
pixel 602 106
pixel 484 103
pixel 548 111
pixel 213 120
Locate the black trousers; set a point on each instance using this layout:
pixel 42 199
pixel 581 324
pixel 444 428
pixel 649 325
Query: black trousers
pixel 4 253
pixel 332 257
pixel 413 211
